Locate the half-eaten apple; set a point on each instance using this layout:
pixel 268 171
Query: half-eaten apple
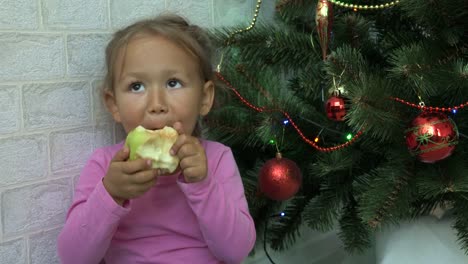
pixel 154 145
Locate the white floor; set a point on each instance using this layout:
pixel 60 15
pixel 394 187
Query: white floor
pixel 313 248
pixel 425 241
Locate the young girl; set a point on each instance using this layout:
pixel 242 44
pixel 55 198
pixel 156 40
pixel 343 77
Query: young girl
pixel 159 74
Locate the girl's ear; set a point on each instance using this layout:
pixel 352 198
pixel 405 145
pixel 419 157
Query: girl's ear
pixel 111 104
pixel 207 98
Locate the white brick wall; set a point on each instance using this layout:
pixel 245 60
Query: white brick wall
pixel 86 54
pixel 42 247
pixel 51 113
pixel 35 207
pixel 9 109
pixel 27 159
pixel 61 103
pixel 77 14
pixel 13 251
pixel 31 56
pixel 19 14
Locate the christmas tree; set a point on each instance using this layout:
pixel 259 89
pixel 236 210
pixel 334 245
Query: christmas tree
pixel 368 98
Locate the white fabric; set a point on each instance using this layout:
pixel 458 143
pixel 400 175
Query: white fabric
pixel 313 247
pixel 427 240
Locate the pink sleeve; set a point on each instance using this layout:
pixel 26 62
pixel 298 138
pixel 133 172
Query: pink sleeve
pixel 92 219
pixel 221 208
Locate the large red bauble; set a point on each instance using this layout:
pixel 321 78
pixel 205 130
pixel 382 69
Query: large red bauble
pixel 335 107
pixel 280 178
pixel 432 136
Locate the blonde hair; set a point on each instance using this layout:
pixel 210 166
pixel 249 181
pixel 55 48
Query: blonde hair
pixel 175 28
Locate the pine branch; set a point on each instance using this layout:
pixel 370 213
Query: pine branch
pixel 347 63
pixel 443 20
pixel 417 48
pixel 296 11
pixel 320 213
pixel 461 220
pixel 329 166
pixel 359 32
pixel 353 232
pixel 386 197
pixel 284 232
pixel 273 48
pixel 370 106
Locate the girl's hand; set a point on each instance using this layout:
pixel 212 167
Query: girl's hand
pixel 128 179
pixel 192 156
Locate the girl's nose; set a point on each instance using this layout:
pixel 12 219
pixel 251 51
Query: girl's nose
pixel 157 102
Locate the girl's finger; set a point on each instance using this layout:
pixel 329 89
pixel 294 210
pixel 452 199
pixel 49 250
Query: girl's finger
pixel 188 150
pixel 178 127
pixel 191 161
pixel 143 188
pixel 191 174
pixel 143 177
pixel 137 165
pixel 181 140
pixel 121 155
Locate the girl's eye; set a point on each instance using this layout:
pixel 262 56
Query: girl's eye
pixel 137 87
pixel 173 84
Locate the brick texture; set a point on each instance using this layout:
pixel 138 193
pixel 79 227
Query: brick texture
pixel 19 14
pixel 52 62
pixel 56 104
pixel 43 247
pixel 13 252
pixel 124 12
pixel 24 159
pixel 86 54
pixel 9 109
pixel 31 56
pixel 77 14
pixel 35 207
pixel 69 149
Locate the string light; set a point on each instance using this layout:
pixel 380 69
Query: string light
pixel 288 117
pixel 317 137
pixel 282 214
pixel 349 136
pixel 454 111
pixel 272 142
pixel 262 109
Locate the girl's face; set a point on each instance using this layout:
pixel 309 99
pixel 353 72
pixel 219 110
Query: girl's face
pixel 158 83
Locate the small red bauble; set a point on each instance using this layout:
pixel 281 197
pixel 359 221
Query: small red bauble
pixel 335 107
pixel 280 178
pixel 432 136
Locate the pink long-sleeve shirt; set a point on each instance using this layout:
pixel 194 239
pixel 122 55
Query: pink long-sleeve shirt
pixel 174 222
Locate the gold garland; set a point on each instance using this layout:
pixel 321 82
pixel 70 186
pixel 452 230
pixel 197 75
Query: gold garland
pixel 252 24
pixel 239 31
pixel 365 7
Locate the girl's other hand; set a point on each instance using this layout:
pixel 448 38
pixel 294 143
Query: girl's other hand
pixel 128 179
pixel 191 153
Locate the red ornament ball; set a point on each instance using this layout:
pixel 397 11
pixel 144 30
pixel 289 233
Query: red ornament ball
pixel 335 107
pixel 432 136
pixel 280 178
